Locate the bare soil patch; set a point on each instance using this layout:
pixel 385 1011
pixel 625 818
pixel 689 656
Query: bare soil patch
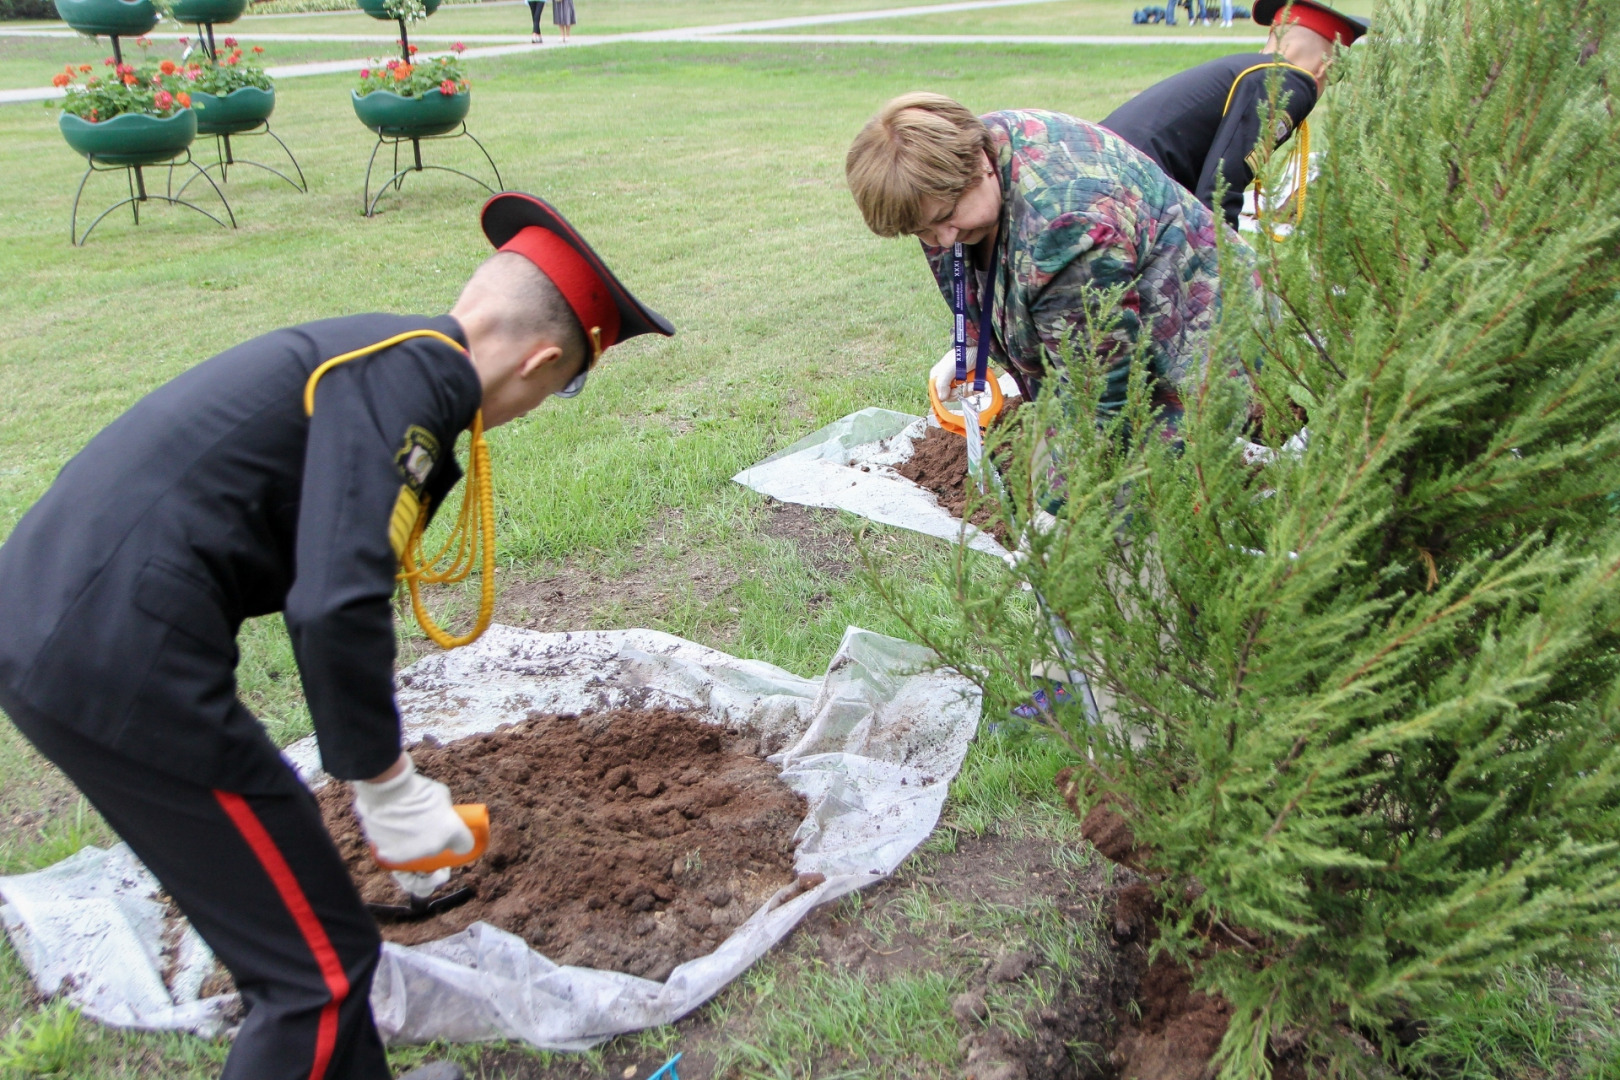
pixel 939 463
pixel 629 840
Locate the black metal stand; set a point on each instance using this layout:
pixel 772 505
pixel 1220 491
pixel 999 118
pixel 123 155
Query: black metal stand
pixel 225 157
pixel 138 194
pixel 368 204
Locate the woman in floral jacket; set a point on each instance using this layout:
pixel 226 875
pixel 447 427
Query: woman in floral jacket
pixel 1067 209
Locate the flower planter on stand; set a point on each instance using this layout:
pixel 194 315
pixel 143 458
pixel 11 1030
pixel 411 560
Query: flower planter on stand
pixel 129 143
pixel 244 112
pixel 205 13
pixel 398 119
pixel 109 18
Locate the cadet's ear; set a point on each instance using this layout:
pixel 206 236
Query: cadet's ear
pixel 548 354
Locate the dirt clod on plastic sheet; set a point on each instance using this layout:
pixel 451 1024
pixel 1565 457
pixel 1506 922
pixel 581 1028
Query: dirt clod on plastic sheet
pixel 939 463
pixel 630 840
pixel 870 745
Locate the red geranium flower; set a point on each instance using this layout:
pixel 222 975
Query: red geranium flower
pixel 184 99
pixel 167 67
pixel 411 49
pixel 392 64
pixel 402 72
pixel 163 99
pixel 130 80
pixel 183 42
pixel 448 87
pixel 60 79
pixel 458 47
pixel 230 43
pixel 85 68
pixel 230 61
pixel 365 73
pixel 109 62
pixel 258 49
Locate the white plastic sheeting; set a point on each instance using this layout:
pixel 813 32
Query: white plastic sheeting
pixel 872 746
pixel 849 465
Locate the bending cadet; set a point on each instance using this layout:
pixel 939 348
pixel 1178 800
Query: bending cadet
pixel 292 473
pixel 1205 124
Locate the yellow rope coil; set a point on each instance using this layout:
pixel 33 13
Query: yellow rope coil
pixel 475 522
pixel 1301 152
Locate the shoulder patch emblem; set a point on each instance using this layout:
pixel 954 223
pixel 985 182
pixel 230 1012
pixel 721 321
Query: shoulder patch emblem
pixel 1280 130
pixel 416 457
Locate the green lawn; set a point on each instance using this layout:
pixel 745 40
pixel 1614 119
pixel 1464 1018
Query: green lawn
pixel 711 177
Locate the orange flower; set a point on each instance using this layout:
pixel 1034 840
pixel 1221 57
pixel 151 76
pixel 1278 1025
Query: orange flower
pixel 258 49
pixel 86 68
pixel 402 73
pixel 184 99
pixel 167 67
pixel 60 79
pixel 130 80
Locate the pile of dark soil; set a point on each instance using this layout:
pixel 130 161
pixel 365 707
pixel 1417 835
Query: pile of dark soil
pixel 939 464
pixel 629 840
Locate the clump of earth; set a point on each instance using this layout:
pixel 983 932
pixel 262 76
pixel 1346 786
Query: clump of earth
pixel 939 463
pixel 630 840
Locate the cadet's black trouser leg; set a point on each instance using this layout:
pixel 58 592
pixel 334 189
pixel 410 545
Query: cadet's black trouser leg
pixel 259 878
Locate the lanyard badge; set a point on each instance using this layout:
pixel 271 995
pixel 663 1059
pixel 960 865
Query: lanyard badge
pixel 981 360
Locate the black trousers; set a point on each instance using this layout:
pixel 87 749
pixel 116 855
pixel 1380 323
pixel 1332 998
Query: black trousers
pixel 258 876
pixel 535 8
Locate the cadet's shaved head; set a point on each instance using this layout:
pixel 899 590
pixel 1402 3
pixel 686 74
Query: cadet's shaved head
pixel 524 306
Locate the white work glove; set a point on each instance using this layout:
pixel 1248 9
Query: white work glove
pixel 410 817
pixel 943 374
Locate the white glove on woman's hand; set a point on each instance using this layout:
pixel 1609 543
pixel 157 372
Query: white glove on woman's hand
pixel 943 374
pixel 410 817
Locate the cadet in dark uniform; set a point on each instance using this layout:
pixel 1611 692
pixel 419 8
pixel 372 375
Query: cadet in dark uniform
pixel 271 479
pixel 1204 124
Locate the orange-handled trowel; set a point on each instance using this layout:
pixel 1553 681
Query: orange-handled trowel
pixel 420 877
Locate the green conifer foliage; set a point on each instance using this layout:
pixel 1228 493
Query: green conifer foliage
pixel 1360 703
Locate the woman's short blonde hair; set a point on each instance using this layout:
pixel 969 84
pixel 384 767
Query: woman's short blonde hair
pixel 919 146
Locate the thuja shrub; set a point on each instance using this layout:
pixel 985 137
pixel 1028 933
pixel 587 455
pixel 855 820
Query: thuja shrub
pixel 1359 693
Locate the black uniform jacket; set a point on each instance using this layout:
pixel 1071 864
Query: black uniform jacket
pixel 1179 124
pixel 215 499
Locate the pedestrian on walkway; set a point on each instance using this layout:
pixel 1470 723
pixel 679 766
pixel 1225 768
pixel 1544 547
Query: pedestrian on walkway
pixel 562 16
pixel 536 7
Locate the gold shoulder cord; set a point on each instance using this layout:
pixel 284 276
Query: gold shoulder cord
pixel 475 523
pixel 1301 150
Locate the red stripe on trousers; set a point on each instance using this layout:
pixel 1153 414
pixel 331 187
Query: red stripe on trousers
pixel 292 894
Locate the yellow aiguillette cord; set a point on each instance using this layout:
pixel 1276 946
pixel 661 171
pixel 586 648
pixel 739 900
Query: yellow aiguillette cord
pixel 475 523
pixel 1301 149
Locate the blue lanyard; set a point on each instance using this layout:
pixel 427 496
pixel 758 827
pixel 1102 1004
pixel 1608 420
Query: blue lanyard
pixel 981 362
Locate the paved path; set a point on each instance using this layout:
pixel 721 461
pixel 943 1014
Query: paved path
pixel 487 45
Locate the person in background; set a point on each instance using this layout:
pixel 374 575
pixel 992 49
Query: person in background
pixel 562 16
pixel 1226 13
pixel 1204 124
pixel 536 8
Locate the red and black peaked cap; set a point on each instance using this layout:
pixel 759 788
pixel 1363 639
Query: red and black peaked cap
pixel 533 228
pixel 1318 17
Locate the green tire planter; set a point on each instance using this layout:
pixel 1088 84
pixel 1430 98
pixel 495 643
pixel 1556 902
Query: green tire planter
pixel 377 10
pixel 240 110
pixel 396 117
pixel 131 139
pixel 214 11
pixel 125 18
